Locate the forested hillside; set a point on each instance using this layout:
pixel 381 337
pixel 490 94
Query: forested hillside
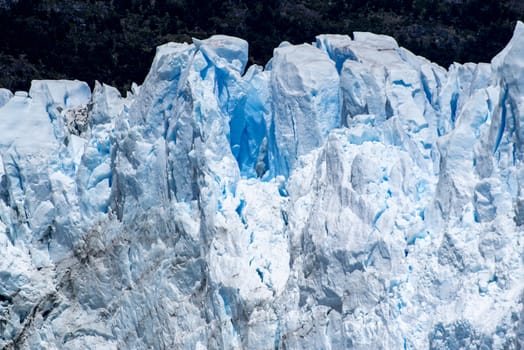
pixel 114 41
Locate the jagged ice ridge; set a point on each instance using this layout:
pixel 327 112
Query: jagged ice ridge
pixel 348 195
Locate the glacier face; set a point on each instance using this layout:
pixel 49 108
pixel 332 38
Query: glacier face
pixel 348 195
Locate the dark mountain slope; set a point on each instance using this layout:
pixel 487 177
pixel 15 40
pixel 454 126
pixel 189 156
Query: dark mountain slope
pixel 114 41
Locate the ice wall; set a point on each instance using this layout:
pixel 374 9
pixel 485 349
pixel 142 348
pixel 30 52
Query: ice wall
pixel 350 194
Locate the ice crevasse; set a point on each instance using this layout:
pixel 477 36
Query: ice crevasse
pixel 349 194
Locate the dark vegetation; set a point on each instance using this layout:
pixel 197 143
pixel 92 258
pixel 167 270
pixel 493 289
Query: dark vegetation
pixel 114 41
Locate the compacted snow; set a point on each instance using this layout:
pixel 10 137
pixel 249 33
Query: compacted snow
pixel 348 195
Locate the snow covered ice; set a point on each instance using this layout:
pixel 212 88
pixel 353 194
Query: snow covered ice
pixel 349 194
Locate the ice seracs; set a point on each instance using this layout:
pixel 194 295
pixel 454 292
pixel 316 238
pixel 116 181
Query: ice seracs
pixel 350 194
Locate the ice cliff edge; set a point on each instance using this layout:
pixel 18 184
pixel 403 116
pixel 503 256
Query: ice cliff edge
pixel 350 194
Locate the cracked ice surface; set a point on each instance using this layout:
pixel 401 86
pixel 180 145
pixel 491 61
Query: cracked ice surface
pixel 350 194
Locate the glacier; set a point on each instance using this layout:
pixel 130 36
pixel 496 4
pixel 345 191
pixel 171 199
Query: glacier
pixel 349 194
